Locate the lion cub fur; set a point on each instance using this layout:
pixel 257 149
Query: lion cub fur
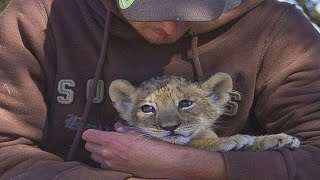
pixel 181 112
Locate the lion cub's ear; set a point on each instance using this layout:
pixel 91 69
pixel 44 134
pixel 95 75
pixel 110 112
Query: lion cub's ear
pixel 120 92
pixel 220 84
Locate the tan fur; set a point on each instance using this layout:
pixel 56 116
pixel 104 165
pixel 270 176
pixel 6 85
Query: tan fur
pixel 189 125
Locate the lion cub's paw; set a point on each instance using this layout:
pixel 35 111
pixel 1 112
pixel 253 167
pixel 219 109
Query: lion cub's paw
pixel 237 142
pixel 277 141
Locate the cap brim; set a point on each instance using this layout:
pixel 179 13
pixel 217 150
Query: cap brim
pixel 173 10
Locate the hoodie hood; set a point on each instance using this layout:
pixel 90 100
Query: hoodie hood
pixel 226 11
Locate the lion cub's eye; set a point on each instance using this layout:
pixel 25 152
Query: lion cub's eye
pixel 185 104
pixel 147 109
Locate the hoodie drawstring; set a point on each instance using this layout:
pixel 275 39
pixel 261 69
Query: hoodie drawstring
pixel 92 90
pixel 195 58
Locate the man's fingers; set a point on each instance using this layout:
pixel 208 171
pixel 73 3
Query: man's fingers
pixel 104 166
pixel 92 135
pixel 98 159
pixel 94 148
pixel 101 161
pixel 98 137
pixel 99 154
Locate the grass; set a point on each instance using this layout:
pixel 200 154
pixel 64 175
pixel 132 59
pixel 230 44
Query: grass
pixel 3 4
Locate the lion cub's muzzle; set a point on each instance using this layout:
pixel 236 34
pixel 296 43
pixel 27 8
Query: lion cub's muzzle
pixel 170 128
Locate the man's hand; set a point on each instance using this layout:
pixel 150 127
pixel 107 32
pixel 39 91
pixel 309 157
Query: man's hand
pixel 132 153
pixel 128 152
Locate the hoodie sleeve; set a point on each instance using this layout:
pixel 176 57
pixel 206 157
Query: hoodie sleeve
pixel 287 100
pixel 23 107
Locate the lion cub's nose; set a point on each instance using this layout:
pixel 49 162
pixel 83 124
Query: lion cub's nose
pixel 170 128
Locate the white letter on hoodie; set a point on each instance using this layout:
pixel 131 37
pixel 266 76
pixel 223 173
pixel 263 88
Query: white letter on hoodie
pixel 99 93
pixel 68 94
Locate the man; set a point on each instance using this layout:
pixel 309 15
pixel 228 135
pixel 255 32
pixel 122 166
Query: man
pixel 49 51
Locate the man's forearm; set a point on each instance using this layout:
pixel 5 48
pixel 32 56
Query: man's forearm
pixel 196 164
pixel 131 153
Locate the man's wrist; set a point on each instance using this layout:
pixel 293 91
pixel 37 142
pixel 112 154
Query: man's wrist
pixel 198 164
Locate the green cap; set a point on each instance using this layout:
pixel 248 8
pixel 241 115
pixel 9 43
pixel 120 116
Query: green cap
pixel 175 10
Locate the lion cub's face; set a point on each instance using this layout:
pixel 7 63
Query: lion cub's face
pixel 170 108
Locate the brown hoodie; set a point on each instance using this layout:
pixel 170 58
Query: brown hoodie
pixel 49 51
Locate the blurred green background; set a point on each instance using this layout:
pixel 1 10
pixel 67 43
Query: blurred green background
pixel 3 4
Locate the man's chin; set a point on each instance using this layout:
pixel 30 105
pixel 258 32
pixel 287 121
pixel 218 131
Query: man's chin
pixel 161 41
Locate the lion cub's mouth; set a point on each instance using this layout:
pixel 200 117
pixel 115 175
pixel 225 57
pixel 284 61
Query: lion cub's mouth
pixel 181 138
pixel 178 134
pixel 175 137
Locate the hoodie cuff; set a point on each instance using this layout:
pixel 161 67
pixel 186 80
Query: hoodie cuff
pixel 80 173
pixel 255 165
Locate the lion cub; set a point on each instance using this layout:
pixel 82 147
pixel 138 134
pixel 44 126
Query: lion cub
pixel 180 112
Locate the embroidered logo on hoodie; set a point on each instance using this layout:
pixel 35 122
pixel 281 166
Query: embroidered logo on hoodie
pixel 72 122
pixel 124 4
